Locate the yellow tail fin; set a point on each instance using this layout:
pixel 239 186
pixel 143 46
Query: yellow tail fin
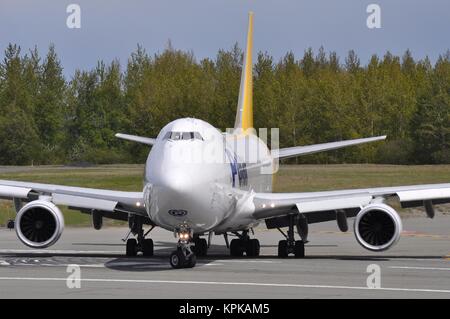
pixel 244 114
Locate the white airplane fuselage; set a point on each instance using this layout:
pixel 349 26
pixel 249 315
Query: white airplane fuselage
pixel 204 183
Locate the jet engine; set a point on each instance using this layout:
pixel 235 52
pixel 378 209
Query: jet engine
pixel 377 227
pixel 39 224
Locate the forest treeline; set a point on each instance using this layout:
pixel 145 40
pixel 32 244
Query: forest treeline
pixel 46 118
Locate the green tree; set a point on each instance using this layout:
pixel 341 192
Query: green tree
pixel 49 106
pixel 19 141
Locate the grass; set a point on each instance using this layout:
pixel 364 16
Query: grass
pixel 117 177
pixel 297 178
pixel 290 178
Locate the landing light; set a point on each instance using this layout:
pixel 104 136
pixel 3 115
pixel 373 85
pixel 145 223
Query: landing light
pixel 184 236
pixel 272 205
pixel 138 204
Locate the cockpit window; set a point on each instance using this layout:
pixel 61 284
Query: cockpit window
pixel 197 136
pixel 187 135
pixel 175 136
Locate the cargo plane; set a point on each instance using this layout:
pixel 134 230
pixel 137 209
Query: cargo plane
pixel 200 182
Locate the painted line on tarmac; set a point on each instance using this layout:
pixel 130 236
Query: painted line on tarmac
pixel 64 265
pixel 248 261
pixel 50 251
pixel 439 259
pixel 51 265
pixel 120 264
pixel 418 268
pixel 226 283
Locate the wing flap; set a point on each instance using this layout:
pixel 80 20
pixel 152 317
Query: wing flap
pixel 14 191
pixel 84 202
pixel 333 203
pixel 425 194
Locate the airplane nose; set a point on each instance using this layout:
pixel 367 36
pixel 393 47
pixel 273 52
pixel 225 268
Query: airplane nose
pixel 176 181
pixel 184 195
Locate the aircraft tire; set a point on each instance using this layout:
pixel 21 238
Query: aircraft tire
pixel 282 249
pixel 177 259
pixel 299 249
pixel 253 248
pixel 201 247
pixel 131 250
pixel 147 247
pixel 236 248
pixel 191 261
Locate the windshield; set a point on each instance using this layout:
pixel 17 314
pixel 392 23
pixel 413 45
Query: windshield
pixel 175 136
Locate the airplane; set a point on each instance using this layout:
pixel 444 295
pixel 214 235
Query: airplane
pixel 222 192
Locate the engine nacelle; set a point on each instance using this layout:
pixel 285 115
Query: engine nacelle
pixel 377 227
pixel 39 224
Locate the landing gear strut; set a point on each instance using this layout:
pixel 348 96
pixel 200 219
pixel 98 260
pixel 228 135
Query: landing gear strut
pixel 290 245
pixel 184 256
pixel 141 244
pixel 242 244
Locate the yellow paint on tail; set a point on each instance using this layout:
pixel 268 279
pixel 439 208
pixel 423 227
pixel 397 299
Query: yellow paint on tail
pixel 247 113
pixel 244 115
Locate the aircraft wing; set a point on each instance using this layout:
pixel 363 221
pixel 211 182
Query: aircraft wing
pixel 115 204
pixel 311 149
pixel 322 206
pixel 135 138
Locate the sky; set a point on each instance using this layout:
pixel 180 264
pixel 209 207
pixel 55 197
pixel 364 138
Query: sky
pixel 111 29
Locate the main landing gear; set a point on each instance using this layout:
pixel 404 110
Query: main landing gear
pixel 243 244
pixel 200 246
pixel 184 256
pixel 290 245
pixel 141 244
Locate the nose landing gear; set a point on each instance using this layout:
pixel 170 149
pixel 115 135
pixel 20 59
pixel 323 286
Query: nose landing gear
pixel 183 257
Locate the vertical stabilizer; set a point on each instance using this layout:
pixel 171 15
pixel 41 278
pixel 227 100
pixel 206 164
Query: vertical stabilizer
pixel 244 114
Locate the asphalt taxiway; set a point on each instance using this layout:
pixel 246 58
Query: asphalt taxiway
pixel 335 267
